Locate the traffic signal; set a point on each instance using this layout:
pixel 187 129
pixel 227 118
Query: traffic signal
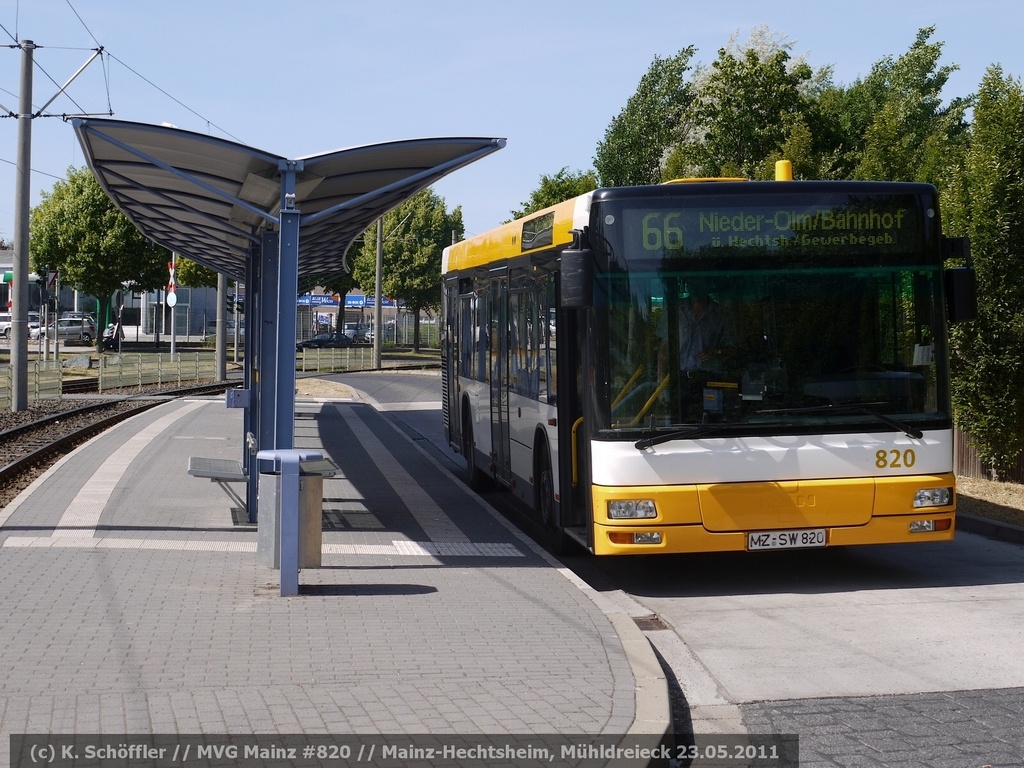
pixel 40 280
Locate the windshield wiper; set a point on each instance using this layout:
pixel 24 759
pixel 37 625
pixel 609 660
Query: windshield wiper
pixel 899 426
pixel 695 430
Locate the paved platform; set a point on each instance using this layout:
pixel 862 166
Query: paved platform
pixel 133 602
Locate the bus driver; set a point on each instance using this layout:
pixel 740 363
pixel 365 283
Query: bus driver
pixel 705 334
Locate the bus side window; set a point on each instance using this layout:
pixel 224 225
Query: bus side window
pixel 482 331
pixel 524 336
pixel 465 328
pixel 546 369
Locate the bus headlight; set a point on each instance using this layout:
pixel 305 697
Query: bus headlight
pixel 631 509
pixel 933 497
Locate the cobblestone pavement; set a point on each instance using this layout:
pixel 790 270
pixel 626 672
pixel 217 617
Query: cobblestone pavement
pixel 956 729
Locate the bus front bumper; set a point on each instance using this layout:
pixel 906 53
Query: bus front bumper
pixel 676 539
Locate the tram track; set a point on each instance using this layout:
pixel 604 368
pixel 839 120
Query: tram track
pixel 80 386
pixel 29 449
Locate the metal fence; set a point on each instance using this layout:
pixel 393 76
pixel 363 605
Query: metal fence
pixel 330 360
pixel 44 382
pixel 402 333
pixel 138 370
pixel 356 358
pixel 395 331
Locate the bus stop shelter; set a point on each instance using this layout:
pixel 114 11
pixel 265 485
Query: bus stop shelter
pixel 266 220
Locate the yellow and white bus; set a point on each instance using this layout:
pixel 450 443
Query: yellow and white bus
pixel 819 416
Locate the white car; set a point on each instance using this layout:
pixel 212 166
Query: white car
pixel 5 324
pixel 357 332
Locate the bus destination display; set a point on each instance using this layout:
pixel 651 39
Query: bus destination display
pixel 871 227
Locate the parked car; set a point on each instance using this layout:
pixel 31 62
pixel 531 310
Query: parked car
pixel 78 316
pixel 71 329
pixel 357 332
pixel 332 340
pixel 6 320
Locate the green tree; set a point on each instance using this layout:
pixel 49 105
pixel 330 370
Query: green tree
pixel 912 135
pixel 988 205
pixel 77 229
pixel 564 185
pixel 652 122
pixel 415 233
pixel 892 124
pixel 194 275
pixel 744 113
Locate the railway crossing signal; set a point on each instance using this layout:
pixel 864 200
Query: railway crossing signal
pixel 172 284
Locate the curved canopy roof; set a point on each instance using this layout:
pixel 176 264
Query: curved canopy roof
pixel 210 199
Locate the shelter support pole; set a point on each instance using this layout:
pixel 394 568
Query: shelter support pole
pixel 250 341
pixel 288 286
pixel 265 348
pixel 287 294
pixel 266 363
pixel 221 354
pixel 275 372
pixel 378 297
pixel 279 339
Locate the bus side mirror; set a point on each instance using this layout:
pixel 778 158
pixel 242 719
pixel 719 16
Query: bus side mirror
pixel 961 287
pixel 577 278
pixel 961 294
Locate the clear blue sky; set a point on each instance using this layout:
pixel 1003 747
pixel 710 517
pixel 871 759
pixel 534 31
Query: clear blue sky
pixel 309 76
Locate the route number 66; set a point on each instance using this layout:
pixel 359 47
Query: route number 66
pixel 664 234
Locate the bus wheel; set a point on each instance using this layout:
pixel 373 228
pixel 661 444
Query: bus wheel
pixel 554 535
pixel 477 479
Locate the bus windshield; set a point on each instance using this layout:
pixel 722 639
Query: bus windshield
pixel 795 313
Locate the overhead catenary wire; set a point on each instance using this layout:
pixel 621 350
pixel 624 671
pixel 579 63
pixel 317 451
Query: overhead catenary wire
pixel 174 99
pixel 105 59
pixel 82 22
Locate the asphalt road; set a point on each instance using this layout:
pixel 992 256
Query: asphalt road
pixel 876 656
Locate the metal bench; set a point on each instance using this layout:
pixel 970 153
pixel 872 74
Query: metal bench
pixel 221 472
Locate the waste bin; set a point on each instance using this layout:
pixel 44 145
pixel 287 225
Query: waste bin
pixel 311 509
pixel 313 468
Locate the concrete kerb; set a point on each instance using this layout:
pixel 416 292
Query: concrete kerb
pixel 652 719
pixel 991 529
